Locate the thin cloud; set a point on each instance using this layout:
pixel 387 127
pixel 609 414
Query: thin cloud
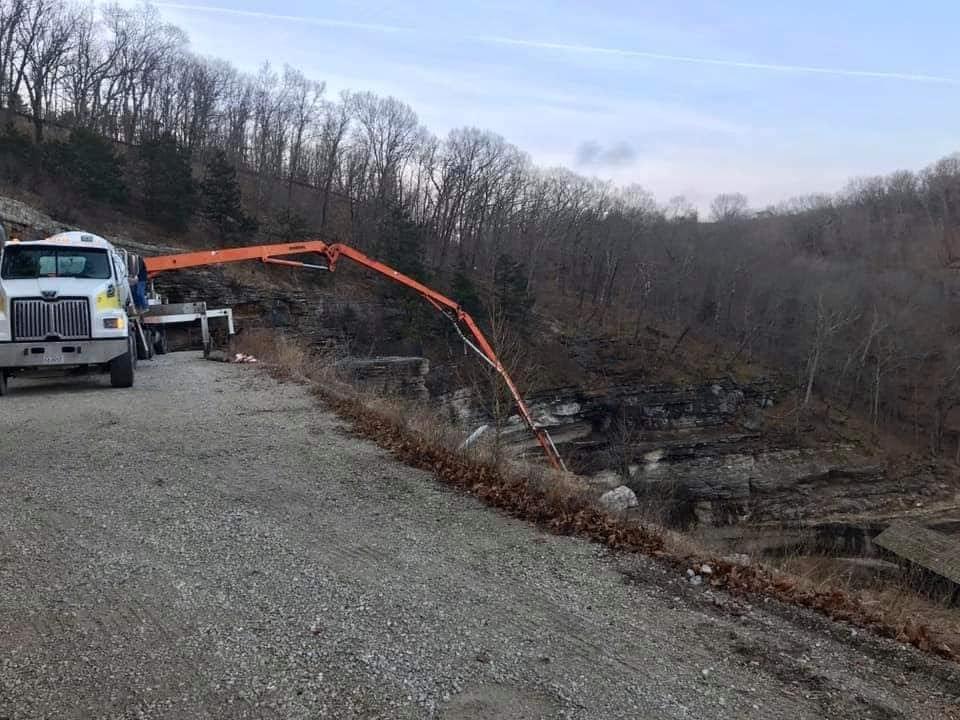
pixel 592 153
pixel 581 49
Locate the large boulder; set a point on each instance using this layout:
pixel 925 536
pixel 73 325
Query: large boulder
pixel 618 500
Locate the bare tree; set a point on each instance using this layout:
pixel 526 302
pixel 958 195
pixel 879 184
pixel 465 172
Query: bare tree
pixel 729 206
pixel 488 388
pixel 304 101
pixel 388 130
pixel 829 320
pixel 46 37
pixel 236 116
pixel 946 400
pixel 329 151
pixel 12 60
pixel 149 51
pixel 92 64
pixel 679 209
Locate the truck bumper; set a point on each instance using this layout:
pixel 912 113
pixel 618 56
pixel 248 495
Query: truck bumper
pixel 60 354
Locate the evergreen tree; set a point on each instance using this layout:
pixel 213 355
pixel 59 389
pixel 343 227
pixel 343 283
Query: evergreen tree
pixel 403 244
pixel 19 156
pixel 465 292
pixel 285 225
pixel 222 202
pixel 91 165
pixel 169 192
pixel 510 283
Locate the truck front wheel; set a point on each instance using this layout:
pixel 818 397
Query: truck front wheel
pixel 121 368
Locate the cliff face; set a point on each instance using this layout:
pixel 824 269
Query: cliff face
pixel 705 455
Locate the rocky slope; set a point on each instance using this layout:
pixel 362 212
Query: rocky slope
pixel 702 454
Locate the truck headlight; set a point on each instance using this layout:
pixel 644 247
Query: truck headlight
pixel 114 323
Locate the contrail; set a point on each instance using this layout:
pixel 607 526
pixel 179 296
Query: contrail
pixel 912 77
pixel 326 22
pixel 581 49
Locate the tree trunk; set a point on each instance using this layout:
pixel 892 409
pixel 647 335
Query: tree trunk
pixel 876 397
pixel 37 127
pixel 812 374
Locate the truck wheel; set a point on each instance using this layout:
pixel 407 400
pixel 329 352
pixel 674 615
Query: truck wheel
pixel 160 344
pixel 121 368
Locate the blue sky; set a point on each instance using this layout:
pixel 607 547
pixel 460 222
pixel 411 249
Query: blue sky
pixel 683 97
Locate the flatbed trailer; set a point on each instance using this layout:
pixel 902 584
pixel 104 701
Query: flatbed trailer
pixel 161 315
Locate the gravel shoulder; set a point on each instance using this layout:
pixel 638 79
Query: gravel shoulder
pixel 213 544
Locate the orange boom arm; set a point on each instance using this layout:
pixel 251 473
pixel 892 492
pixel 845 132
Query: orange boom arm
pixel 275 254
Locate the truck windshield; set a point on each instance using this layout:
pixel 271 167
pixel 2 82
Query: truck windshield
pixel 21 262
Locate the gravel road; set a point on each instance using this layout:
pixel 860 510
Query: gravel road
pixel 213 544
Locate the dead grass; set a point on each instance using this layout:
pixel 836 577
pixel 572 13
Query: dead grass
pixel 282 355
pixel 562 504
pixel 903 596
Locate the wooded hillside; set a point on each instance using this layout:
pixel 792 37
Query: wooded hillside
pixel 851 293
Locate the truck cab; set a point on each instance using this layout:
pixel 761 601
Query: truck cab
pixel 64 305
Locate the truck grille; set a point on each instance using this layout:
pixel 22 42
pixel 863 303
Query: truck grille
pixel 38 319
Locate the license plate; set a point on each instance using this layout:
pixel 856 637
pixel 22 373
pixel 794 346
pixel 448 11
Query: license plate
pixel 49 359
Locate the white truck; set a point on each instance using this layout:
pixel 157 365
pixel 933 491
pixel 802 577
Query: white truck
pixel 64 305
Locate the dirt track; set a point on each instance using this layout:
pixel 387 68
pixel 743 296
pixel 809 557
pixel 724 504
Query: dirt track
pixel 212 544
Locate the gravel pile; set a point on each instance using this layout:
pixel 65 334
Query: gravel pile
pixel 211 544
